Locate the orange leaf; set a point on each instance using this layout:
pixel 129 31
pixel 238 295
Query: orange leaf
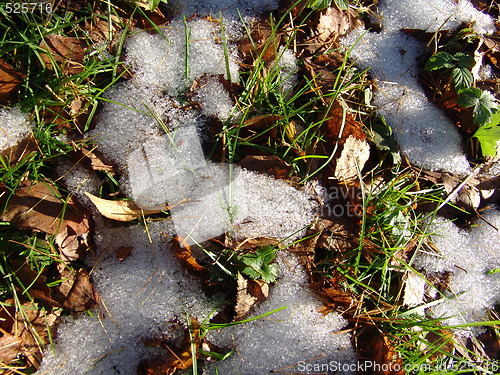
pixel 10 80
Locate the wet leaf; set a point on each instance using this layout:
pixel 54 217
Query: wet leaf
pixel 123 251
pixel 182 252
pixel 39 206
pixel 331 128
pixel 385 355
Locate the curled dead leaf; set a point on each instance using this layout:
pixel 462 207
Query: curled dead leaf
pixel 121 210
pixel 82 295
pixel 352 160
pixel 244 300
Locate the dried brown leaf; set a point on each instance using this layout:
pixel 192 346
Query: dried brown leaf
pixel 38 288
pixel 244 300
pixel 67 52
pixel 10 347
pixel 22 149
pixel 414 289
pixel 258 289
pixel 249 242
pixel 97 162
pixel 352 160
pixel 123 251
pixel 82 295
pixel 39 206
pixel 262 121
pixel 10 80
pixel 334 22
pixel 120 210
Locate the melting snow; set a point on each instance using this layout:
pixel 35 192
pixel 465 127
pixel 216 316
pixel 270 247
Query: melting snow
pixel 467 255
pixel 425 135
pixel 14 127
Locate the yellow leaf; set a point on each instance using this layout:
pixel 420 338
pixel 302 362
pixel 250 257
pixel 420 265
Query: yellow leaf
pixel 121 210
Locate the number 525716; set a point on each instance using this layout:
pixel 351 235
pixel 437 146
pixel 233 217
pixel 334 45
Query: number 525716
pixel 27 7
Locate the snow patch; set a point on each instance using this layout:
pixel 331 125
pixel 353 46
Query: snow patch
pixel 297 334
pixel 467 255
pixel 425 135
pixel 143 296
pixel 14 127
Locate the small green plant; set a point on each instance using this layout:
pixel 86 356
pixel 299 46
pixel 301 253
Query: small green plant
pixel 488 135
pixel 153 4
pixel 460 65
pixel 483 103
pixel 258 265
pixel 322 4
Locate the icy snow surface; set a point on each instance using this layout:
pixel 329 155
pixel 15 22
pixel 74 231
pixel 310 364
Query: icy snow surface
pixel 425 135
pixel 145 130
pixel 467 255
pixel 295 335
pixel 14 127
pixel 141 298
